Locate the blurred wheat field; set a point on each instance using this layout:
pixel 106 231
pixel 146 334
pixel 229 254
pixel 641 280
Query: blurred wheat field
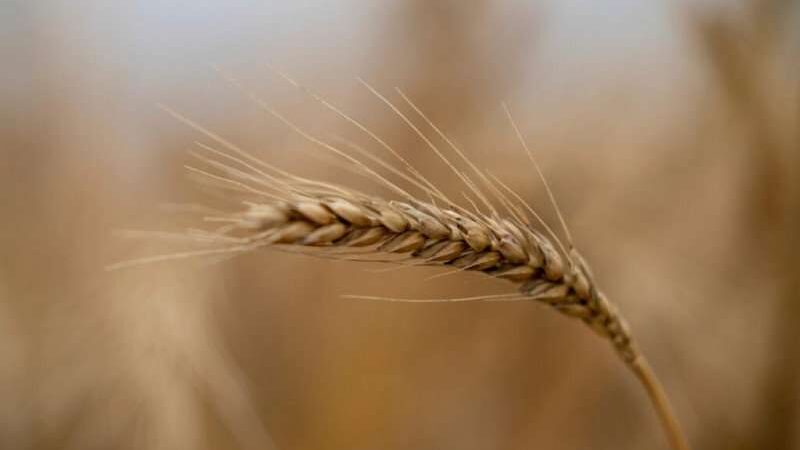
pixel 669 131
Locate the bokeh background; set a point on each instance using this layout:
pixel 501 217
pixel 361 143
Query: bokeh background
pixel 668 129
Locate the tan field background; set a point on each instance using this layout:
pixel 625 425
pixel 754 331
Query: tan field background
pixel 668 129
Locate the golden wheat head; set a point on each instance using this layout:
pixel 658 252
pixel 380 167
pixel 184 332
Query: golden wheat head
pixel 296 214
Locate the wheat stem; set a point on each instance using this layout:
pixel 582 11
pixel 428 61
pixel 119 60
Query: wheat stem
pixel 660 401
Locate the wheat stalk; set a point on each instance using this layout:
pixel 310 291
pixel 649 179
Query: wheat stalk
pixel 327 220
pixel 296 214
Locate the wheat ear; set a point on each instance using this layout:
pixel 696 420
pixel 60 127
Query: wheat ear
pixel 307 216
pixel 332 221
pixel 335 222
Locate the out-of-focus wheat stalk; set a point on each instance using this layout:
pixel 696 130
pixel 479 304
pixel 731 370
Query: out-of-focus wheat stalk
pixel 748 61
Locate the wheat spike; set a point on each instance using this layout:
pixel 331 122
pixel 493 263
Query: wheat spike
pixel 305 216
pixel 330 221
pixel 324 221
